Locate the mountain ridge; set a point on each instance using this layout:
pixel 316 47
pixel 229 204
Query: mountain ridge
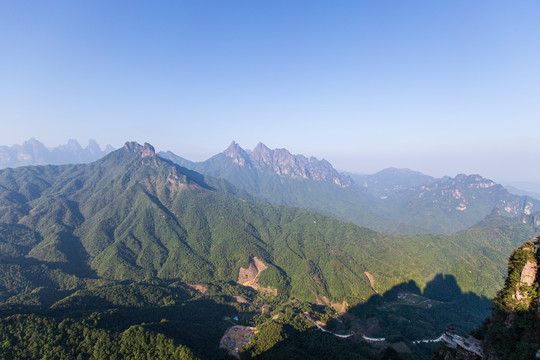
pixel 392 200
pixel 282 162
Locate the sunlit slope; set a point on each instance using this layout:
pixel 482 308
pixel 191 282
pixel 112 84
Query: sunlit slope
pixel 133 215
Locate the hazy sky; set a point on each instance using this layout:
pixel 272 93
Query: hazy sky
pixel 442 87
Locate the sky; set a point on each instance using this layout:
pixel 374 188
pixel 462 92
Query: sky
pixel 442 87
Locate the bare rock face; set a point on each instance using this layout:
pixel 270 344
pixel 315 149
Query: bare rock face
pixel 132 146
pixel 237 154
pixel 148 150
pixel 283 163
pixel 135 147
pixel 528 274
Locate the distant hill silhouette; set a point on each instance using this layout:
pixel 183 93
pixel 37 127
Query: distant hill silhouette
pixel 33 152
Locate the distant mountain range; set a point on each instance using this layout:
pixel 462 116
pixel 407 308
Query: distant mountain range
pixel 279 177
pixel 33 152
pixel 442 205
pixel 392 200
pixel 518 191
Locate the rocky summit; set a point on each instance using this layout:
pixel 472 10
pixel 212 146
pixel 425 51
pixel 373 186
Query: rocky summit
pixel 283 163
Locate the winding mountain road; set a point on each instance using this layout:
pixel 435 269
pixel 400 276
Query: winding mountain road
pixel 440 338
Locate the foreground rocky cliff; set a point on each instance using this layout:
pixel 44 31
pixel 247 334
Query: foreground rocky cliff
pixel 513 330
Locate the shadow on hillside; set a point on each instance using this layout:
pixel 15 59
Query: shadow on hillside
pixel 81 270
pixel 176 312
pixel 405 313
pixel 198 324
pixel 401 315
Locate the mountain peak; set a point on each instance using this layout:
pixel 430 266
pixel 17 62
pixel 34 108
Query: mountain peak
pixel 135 147
pixel 282 162
pixel 93 146
pixel 73 144
pixel 261 148
pixel 33 141
pixel 237 154
pixel 132 146
pixel 148 150
pixel 232 149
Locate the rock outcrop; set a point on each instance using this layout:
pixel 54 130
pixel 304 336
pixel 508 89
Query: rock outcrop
pixel 144 151
pixel 513 331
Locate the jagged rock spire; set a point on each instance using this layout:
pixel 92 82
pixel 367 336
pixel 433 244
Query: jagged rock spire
pixel 237 154
pixel 135 147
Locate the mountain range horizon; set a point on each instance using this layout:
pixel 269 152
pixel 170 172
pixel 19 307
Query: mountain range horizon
pixel 35 152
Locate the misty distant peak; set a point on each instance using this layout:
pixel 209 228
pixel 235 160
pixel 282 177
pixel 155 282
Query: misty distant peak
pixel 74 144
pixel 93 146
pixel 33 141
pixel 261 149
pixel 395 170
pixel 234 148
pixel 34 152
pixel 237 154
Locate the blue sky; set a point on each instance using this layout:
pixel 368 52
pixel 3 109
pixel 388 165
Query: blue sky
pixel 443 87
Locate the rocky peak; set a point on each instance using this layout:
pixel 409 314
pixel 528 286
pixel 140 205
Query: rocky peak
pixel 33 142
pixel 148 150
pixel 261 150
pixel 93 146
pixel 262 156
pixel 132 146
pixel 282 162
pixel 135 147
pixel 33 145
pixel 237 154
pixel 109 148
pixel 73 145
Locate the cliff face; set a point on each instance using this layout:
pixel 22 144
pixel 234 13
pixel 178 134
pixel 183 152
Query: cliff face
pixel 513 331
